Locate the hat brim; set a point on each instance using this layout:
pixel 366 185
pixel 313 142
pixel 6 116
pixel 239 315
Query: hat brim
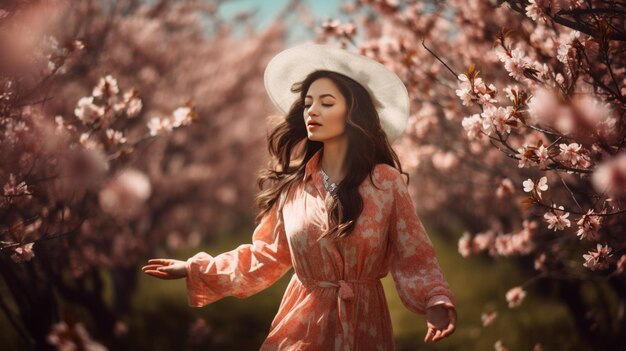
pixel 386 89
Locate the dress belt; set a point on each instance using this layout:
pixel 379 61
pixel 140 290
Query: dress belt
pixel 344 293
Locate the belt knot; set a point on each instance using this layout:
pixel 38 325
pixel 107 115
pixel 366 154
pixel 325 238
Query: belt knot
pixel 345 290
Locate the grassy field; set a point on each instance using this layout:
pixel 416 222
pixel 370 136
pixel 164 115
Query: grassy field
pixel 479 284
pixel 161 318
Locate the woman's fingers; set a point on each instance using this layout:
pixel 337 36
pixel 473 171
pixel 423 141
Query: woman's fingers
pixel 150 267
pixel 429 335
pixel 449 330
pixel 165 268
pixel 435 334
pixel 161 261
pixel 451 325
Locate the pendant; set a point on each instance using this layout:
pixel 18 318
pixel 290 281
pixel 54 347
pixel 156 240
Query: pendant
pixel 329 187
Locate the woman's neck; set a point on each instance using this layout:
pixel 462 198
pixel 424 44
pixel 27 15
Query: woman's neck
pixel 333 156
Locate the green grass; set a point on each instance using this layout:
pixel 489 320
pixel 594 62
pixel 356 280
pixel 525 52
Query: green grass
pixel 161 317
pixel 480 285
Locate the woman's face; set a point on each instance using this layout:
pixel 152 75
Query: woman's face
pixel 324 111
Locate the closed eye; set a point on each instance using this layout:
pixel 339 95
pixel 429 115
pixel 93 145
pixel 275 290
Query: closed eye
pixel 325 105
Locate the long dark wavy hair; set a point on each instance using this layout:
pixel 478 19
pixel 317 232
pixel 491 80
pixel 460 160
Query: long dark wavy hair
pixel 291 150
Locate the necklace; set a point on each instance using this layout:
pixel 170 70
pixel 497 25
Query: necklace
pixel 329 187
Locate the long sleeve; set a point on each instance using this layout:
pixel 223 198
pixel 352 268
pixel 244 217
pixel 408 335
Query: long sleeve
pixel 243 271
pixel 414 267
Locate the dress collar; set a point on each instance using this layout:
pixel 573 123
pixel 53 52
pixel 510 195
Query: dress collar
pixel 312 165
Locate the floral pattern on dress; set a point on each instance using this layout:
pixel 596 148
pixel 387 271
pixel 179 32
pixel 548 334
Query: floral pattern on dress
pixel 334 300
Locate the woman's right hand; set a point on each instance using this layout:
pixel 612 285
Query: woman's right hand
pixel 165 268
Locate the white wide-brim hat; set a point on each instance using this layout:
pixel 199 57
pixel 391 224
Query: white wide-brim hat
pixel 385 88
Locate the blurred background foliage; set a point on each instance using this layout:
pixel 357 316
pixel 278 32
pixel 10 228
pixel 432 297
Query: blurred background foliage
pixel 162 320
pixel 201 63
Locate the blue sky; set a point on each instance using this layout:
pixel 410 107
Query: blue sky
pixel 268 9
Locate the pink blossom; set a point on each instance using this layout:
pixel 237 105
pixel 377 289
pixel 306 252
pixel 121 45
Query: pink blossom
pixel 505 188
pixel 23 253
pixel 515 296
pixel 158 125
pixel 465 244
pixel 465 91
pixel 473 126
pixel 498 346
pixel 87 112
pixel 120 328
pixel 126 194
pixel 334 27
pixel 174 240
pixel 590 112
pixel 504 245
pixel 72 337
pixel 199 331
pixel 515 243
pixel 557 219
pixel 115 136
pixel 61 125
pixel 444 161
pixel 589 226
pixel 465 94
pixel 566 51
pixel 133 103
pixel 13 188
pixel 529 228
pixel 424 121
pixel 542 156
pixel 107 86
pixel 540 262
pixel 621 265
pixel 495 118
pixel 543 107
pixel 570 153
pixel 511 91
pixel 514 63
pixel 485 93
pixel 599 259
pixel 543 37
pixel 530 186
pixel 85 141
pixel 181 117
pixel 488 318
pixel 534 10
pixel 484 240
pixel 525 160
pixel 610 177
pixel 331 25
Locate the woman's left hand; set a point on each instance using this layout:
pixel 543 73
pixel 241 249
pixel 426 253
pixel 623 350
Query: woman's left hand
pixel 441 321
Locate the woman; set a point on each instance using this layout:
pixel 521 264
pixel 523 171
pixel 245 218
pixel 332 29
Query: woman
pixel 335 208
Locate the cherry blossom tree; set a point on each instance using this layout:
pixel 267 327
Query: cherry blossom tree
pixel 518 133
pixel 125 125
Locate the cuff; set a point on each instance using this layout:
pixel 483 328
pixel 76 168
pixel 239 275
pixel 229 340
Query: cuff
pixel 439 300
pixel 198 293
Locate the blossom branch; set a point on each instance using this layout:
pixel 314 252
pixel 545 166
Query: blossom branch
pixel 439 59
pixel 570 191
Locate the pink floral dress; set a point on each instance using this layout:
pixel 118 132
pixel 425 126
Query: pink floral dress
pixel 335 300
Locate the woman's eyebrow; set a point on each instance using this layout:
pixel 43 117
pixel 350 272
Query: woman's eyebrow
pixel 321 96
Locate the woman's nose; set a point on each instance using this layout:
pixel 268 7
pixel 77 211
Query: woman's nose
pixel 312 111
